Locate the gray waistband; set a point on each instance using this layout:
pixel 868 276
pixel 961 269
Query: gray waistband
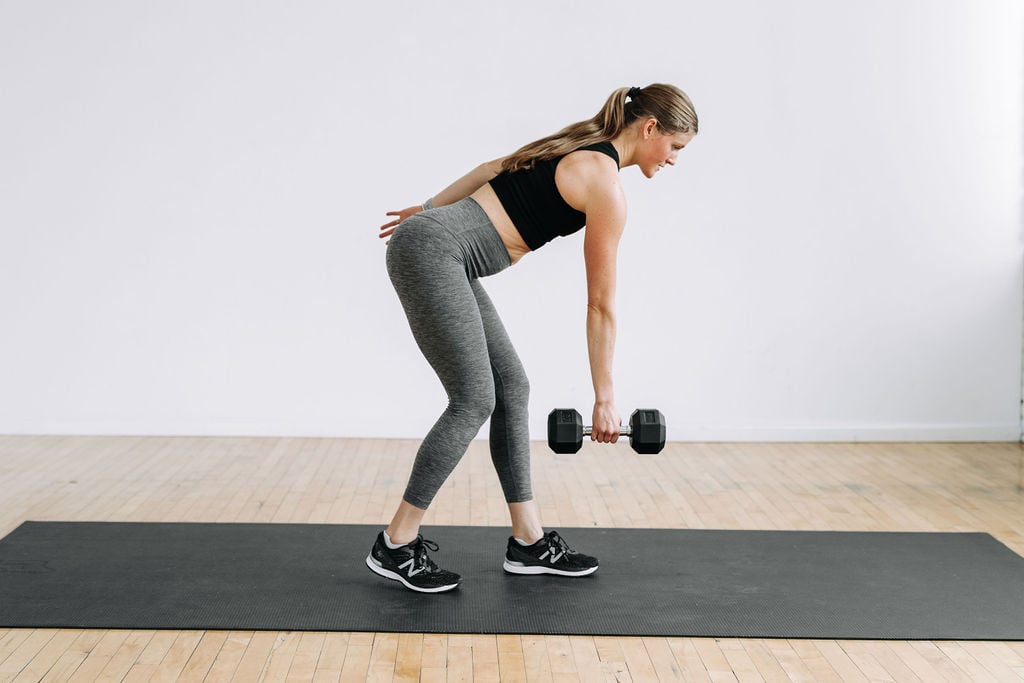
pixel 477 242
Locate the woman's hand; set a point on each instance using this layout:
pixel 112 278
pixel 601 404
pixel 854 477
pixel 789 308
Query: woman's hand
pixel 606 423
pixel 388 228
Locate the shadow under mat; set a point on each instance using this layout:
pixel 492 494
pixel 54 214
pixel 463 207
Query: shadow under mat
pixel 652 582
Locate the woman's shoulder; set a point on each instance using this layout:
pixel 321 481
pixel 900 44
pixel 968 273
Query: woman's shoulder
pixel 589 164
pixel 584 176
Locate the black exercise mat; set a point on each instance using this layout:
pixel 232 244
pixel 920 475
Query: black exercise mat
pixel 832 585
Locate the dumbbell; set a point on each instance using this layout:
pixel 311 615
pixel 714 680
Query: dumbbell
pixel 646 430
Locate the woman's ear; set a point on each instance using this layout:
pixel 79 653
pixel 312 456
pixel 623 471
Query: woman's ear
pixel 650 127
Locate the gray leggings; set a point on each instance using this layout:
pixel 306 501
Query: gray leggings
pixel 434 260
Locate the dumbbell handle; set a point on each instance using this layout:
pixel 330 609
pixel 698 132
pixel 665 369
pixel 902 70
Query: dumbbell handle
pixel 624 430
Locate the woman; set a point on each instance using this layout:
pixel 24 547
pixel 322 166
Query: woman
pixel 481 224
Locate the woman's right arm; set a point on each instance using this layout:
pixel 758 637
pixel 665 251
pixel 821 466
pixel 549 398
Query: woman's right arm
pixel 460 189
pixel 606 219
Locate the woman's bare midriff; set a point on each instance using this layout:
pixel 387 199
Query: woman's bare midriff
pixel 491 205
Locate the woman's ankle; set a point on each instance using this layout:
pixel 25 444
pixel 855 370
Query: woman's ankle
pixel 526 524
pixel 405 525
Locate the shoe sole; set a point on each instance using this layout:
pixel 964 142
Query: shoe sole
pixel 534 569
pixel 379 569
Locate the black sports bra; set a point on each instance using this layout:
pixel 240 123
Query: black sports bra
pixel 534 204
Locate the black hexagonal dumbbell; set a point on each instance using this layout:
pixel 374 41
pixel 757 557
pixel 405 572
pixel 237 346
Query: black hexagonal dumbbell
pixel 646 430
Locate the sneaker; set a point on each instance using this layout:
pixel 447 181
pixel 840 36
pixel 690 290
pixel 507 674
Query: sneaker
pixel 550 555
pixel 411 565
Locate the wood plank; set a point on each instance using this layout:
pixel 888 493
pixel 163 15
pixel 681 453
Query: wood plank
pixel 41 664
pixel 99 656
pixel 613 659
pixel 281 655
pixel 230 656
pixel 688 659
pixel 27 650
pixel 307 654
pixel 714 660
pixel 742 664
pixel 535 658
pixel 382 657
pixel 840 662
pixel 69 661
pixel 256 657
pixel 408 657
pixel 586 658
pixel 357 657
pixel 124 659
pixel 332 658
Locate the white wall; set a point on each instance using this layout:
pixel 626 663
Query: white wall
pixel 190 193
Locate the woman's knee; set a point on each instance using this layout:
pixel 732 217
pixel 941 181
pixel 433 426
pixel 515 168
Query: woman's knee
pixel 473 405
pixel 514 385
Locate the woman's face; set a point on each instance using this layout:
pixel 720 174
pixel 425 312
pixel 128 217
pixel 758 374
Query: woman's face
pixel 658 149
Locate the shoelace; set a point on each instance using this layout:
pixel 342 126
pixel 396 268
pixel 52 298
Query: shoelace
pixel 557 541
pixel 419 549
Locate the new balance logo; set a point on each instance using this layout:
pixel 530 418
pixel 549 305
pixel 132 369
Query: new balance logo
pixel 411 564
pixel 553 558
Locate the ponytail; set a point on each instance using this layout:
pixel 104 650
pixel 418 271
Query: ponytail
pixel 666 103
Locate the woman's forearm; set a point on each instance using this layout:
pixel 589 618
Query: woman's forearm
pixel 601 347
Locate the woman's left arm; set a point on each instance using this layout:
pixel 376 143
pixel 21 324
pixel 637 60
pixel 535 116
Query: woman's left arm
pixel 460 189
pixel 468 184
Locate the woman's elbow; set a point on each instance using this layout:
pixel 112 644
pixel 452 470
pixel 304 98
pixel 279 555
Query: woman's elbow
pixel 601 309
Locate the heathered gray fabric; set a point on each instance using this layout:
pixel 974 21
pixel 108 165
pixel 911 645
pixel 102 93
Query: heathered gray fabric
pixel 434 260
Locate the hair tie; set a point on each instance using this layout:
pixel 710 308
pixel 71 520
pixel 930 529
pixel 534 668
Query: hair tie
pixel 633 92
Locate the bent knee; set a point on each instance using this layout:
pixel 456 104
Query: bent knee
pixel 473 409
pixel 514 385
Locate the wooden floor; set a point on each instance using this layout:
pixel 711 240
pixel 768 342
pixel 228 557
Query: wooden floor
pixel 892 487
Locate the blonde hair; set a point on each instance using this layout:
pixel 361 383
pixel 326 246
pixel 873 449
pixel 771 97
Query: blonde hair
pixel 667 104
